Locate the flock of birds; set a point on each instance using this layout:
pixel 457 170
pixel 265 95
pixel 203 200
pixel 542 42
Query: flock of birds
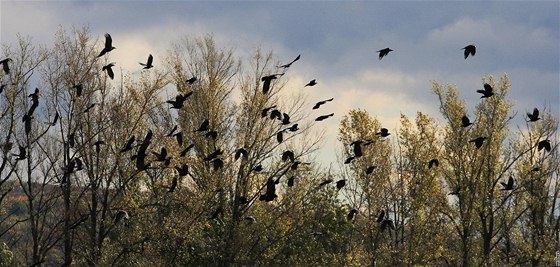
pixel 215 157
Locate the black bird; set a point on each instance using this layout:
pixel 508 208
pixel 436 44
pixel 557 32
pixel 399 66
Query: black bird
pixel 433 162
pixel 285 119
pixel 370 169
pixel 191 80
pixel 387 223
pixel 265 111
pixel 172 131
pixel 465 122
pixel 183 170
pixel 351 214
pixel 72 139
pixel 267 80
pixel 257 168
pixel 326 182
pixel 55 120
pixel 98 146
pixel 349 160
pixel 288 155
pixel 383 132
pixel 340 184
pixel 478 141
pixel 162 155
pixel 242 200
pixel 89 108
pixel 5 65
pixel 357 148
pixel 79 89
pixel 179 101
pixel 213 155
pixel 22 153
pixel 148 64
pixel 544 144
pixel 108 45
pixel 2 86
pixel 27 123
pixel 324 117
pixel 173 185
pixel 487 92
pixel 291 181
pixel 381 216
pixel 535 116
pixel 204 126
pixel 311 83
pixel 129 144
pixel 285 66
pixel 179 137
pixel 270 193
pixel 109 70
pixel 79 164
pixel 211 134
pixel 296 164
pixel 469 49
pixel 186 150
pixel 276 114
pixel 509 185
pixel 318 104
pixel 241 152
pixel 293 128
pixel 384 52
pixel 280 136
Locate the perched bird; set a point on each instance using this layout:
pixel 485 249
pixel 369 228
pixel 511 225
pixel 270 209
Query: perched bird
pixel 535 116
pixel 276 114
pixel 387 223
pixel 324 117
pixel 211 134
pixel 22 153
pixel 191 80
pixel 318 104
pixel 270 193
pixel 72 139
pixel 241 152
pixel 241 200
pixel 267 80
pixel 285 66
pixel 384 52
pixel 129 144
pixel 325 182
pixel 487 92
pixel 351 214
pixel 108 45
pixel 257 168
pixel 381 216
pixel 265 111
pixel 340 184
pixel 5 65
pixel 217 163
pixel 509 185
pixel 383 132
pixel 370 169
pixel 79 164
pixel 109 70
pixel 469 50
pixel 204 126
pixel 79 89
pixel 465 122
pixel 433 162
pixel 311 83
pixel 544 144
pixel 148 64
pixel 288 155
pixel 478 141
pixel 280 136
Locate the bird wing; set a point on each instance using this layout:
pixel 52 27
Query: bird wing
pixel 150 60
pixel 108 41
pixel 488 88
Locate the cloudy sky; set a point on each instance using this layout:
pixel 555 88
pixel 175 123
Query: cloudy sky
pixel 337 41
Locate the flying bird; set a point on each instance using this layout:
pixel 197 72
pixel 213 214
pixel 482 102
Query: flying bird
pixel 387 223
pixel 179 101
pixel 311 83
pixel 5 65
pixel 129 144
pixel 179 137
pixel 241 152
pixel 265 111
pixel 487 92
pixel 535 116
pixel 204 126
pixel 357 148
pixel 285 119
pixel 172 131
pixel 509 185
pixel 340 184
pixel 148 64
pixel 544 144
pixel 108 45
pixel 465 122
pixel 318 104
pixel 433 162
pixel 276 114
pixel 383 132
pixel 186 150
pixel 349 160
pixel 183 170
pixel 109 70
pixel 469 50
pixel 324 117
pixel 478 141
pixel 326 182
pixel 288 155
pixel 285 66
pixel 384 52
pixel 381 216
pixel 191 80
pixel 267 80
pixel 162 155
pixel 370 169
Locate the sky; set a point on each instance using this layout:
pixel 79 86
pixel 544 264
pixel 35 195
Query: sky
pixel 337 41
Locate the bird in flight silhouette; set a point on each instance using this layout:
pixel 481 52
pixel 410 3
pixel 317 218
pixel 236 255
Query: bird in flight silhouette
pixel 509 185
pixel 241 152
pixel 544 144
pixel 384 52
pixel 148 64
pixel 535 116
pixel 318 104
pixel 469 50
pixel 478 141
pixel 267 80
pixel 191 80
pixel 370 169
pixel 311 83
pixel 108 45
pixel 285 66
pixel 324 117
pixel 129 144
pixel 465 122
pixel 5 65
pixel 179 101
pixel 432 163
pixel 109 70
pixel 340 184
pixel 204 126
pixel 288 155
pixel 383 132
pixel 487 92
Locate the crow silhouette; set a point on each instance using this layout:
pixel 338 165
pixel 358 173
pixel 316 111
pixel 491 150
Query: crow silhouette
pixel 535 116
pixel 217 163
pixel 351 214
pixel 324 117
pixel 257 168
pixel 182 170
pixel 487 92
pixel 387 224
pixel 357 148
pixel 204 126
pixel 2 86
pixel 89 108
pixel 340 184
pixel 544 144
pixel 108 45
pixel 211 134
pixel 285 119
pixel 291 180
pixel 179 137
pixel 432 163
pixel 311 83
pixel 241 152
pixel 267 80
pixel 280 136
pixel 478 141
pixel 381 216
pixel 370 169
pixel 265 111
pixel 179 101
pixel 213 155
pixel 27 123
pixel 5 65
pixel 465 122
pixel 383 132
pixel 55 120
pixel 349 160
pixel 121 215
pixel 293 128
pixel 276 114
pixel 509 185
pixel 325 182
pixel 148 64
pixel 270 193
pixel 469 50
pixel 162 155
pixel 318 104
pixel 173 185
pixel 109 70
pixel 288 155
pixel 383 52
pixel 191 80
pixel 285 66
pixel 79 89
pixel 22 153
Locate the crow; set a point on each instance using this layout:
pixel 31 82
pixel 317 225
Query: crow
pixel 509 185
pixel 183 170
pixel 241 152
pixel 349 160
pixel 478 141
pixel 2 86
pixel 217 163
pixel 172 131
pixel 340 184
pixel 265 111
pixel 324 117
pixel 291 181
pixel 109 70
pixel 121 215
pixel 267 80
pixel 487 92
pixel 213 155
pixel 108 45
pixel 351 214
pixel 285 66
pixel 311 83
pixel 162 155
pixel 383 132
pixel 22 153
pixel 384 52
pixel 280 136
pixel 326 182
pixel 276 114
pixel 370 169
pixel 257 168
pixel 469 49
pixel 357 148
pixel 179 101
pixel 5 65
pixel 285 119
pixel 465 122
pixel 381 216
pixel 27 123
pixel 535 116
pixel 211 134
pixel 544 144
pixel 148 64
pixel 241 200
pixel 288 155
pixel 191 80
pixel 293 128
pixel 179 137
pixel 79 89
pixel 433 162
pixel 270 193
pixel 204 126
pixel 318 104
pixel 387 223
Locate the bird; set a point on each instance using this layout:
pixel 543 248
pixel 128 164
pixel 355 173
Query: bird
pixel 270 193
pixel 478 141
pixel 191 80
pixel 162 155
pixel 186 150
pixel 72 139
pixel 98 146
pixel 370 169
pixel 381 216
pixel 293 128
pixel 108 45
pixel 311 83
pixel 172 131
pixel 285 119
pixel 357 148
pixel 535 116
pixel 280 136
pixel 465 122
pixel 148 64
pixel 22 153
pixel 173 185
pixel 179 137
pixel 265 111
pixel 544 144
pixel 211 134
pixel 204 126
pixel 433 162
pixel 129 144
pixel 257 168
pixel 217 163
pixel 213 155
pixel 241 152
pixel 349 160
pixel 285 66
pixel 340 184
pixel 383 132
pixel 179 101
pixel 487 92
pixel 182 170
pixel 267 80
pixel 79 164
pixel 324 117
pixel 351 214
pixel 509 185
pixel 469 50
pixel 384 52
pixel 109 70
pixel 276 114
pixel 288 155
pixel 79 89
pixel 291 180
pixel 241 200
pixel 318 104
pixel 5 65
pixel 387 223
pixel 325 182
